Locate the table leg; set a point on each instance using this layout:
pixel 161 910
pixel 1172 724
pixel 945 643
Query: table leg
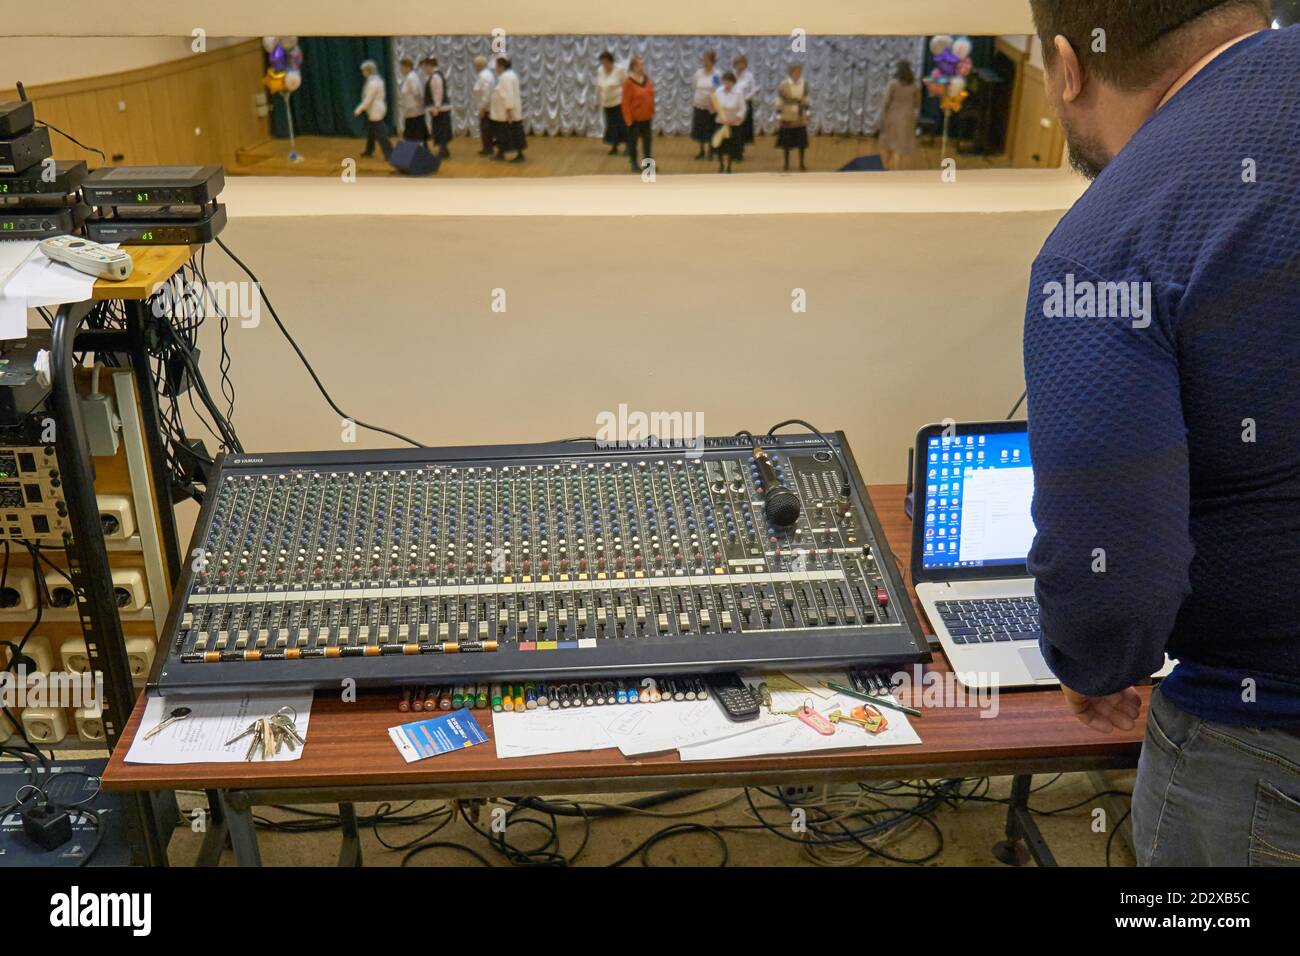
pixel 243 832
pixel 1024 841
pixel 350 851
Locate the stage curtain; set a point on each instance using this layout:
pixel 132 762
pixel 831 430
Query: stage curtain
pixel 331 86
pixel 847 76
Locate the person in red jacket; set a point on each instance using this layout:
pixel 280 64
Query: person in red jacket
pixel 638 109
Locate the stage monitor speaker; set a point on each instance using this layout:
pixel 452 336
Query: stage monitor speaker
pixel 413 159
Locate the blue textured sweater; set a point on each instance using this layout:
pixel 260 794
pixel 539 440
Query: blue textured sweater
pixel 1162 355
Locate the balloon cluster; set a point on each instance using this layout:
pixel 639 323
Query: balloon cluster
pixel 283 64
pixel 952 65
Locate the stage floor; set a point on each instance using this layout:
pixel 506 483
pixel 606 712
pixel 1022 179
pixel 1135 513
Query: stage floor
pixel 579 156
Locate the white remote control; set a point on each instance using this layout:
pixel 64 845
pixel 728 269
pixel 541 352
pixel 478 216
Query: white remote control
pixel 89 257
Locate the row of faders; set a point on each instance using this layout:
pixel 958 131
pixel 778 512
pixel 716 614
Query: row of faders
pixel 301 563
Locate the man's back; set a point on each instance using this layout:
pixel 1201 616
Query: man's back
pixel 1162 353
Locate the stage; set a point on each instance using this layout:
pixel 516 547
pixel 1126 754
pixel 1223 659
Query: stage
pixel 579 156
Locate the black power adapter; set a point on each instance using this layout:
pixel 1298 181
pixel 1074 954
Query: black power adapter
pixel 49 827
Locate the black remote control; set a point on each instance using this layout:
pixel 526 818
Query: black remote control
pixel 735 698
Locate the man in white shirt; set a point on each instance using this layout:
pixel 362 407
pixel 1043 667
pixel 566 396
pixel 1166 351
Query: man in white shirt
pixel 484 80
pixel 374 104
pixel 506 111
pixel 410 98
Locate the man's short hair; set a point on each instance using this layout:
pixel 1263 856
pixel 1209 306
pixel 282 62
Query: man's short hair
pixel 1139 40
pixel 406 62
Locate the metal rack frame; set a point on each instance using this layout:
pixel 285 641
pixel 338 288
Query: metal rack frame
pixel 88 564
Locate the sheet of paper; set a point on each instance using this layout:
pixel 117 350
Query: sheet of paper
pixel 13 309
pixel 793 736
pixel 13 317
pixel 533 733
pixel 42 282
pixel 201 737
pixel 639 729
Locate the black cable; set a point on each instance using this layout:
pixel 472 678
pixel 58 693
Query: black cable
pixel 320 386
pixel 1114 830
pixel 77 142
pixel 1016 407
pixel 835 453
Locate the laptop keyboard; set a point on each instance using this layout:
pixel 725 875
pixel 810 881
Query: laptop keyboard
pixel 991 620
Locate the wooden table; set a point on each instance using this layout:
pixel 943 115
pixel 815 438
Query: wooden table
pixel 349 756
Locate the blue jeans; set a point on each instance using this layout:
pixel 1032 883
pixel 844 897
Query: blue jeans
pixel 1215 795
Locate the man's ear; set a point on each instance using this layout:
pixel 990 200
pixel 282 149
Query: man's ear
pixel 1071 69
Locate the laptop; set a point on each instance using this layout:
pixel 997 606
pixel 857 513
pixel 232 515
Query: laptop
pixel 971 532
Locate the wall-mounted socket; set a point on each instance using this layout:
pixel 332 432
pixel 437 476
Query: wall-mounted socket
pixel 75 656
pixel 139 654
pixel 129 588
pixel 116 516
pixel 19 591
pixel 90 724
pixel 59 588
pixel 44 725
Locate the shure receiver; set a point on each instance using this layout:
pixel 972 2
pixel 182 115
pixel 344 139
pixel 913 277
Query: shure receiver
pixel 126 186
pixel 393 567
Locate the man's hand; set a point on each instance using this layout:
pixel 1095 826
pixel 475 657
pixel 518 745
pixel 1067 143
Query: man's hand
pixel 1104 714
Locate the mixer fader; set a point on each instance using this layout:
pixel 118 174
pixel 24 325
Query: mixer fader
pixel 391 567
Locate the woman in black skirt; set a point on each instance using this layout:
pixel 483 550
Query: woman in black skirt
pixel 748 86
pixel 703 122
pixel 507 113
pixel 729 107
pixel 792 110
pixel 609 91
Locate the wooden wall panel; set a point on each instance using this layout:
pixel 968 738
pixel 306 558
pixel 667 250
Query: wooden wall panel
pixel 198 110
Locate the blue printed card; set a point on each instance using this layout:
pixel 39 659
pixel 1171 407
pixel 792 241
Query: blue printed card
pixel 437 735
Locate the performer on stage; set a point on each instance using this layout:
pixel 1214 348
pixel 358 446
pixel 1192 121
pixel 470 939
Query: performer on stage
pixel 410 100
pixel 484 80
pixel 898 116
pixel 748 86
pixel 703 122
pixel 507 110
pixel 638 110
pixel 792 112
pixel 374 104
pixel 609 91
pixel 729 108
pixel 439 105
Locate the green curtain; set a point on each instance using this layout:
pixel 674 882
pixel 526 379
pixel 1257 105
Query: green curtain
pixel 331 86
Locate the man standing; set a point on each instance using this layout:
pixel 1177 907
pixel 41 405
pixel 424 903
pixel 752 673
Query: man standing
pixel 374 105
pixel 1162 339
pixel 484 80
pixel 410 97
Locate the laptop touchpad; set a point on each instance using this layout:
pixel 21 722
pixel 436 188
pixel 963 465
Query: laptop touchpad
pixel 1037 666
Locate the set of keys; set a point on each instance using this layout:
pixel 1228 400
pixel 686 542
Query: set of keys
pixel 270 735
pixel 867 717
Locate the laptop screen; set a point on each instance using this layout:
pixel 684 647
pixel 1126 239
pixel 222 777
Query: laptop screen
pixel 978 490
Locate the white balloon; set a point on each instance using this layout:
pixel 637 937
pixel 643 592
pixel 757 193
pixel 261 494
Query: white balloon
pixel 940 43
pixel 956 85
pixel 268 43
pixel 961 47
pixel 292 80
pixel 288 42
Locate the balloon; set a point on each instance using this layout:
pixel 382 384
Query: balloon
pixel 940 43
pixel 961 47
pixel 288 42
pixel 947 63
pixel 278 58
pixel 292 80
pixel 268 43
pixel 964 67
pixel 295 58
pixel 273 81
pixel 956 86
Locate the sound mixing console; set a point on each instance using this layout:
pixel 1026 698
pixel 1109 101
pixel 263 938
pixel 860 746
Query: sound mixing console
pixel 564 559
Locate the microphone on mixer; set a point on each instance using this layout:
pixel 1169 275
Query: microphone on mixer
pixel 781 504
